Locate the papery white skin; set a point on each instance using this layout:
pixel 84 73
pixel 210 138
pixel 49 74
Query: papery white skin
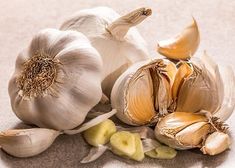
pixel 118 45
pixel 76 89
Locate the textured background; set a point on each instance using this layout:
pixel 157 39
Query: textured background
pixel 20 19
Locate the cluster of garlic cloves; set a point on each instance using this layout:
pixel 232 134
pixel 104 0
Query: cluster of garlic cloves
pixel 143 91
pixel 184 130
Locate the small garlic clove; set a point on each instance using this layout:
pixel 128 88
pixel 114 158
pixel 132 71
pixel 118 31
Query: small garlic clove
pixel 216 143
pixel 27 142
pixel 182 46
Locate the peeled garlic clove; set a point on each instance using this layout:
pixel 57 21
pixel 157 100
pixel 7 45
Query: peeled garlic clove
pixel 216 143
pixel 139 153
pixel 182 46
pixel 101 133
pixel 176 129
pixel 114 36
pixel 143 89
pixel 57 80
pixel 27 142
pixel 123 143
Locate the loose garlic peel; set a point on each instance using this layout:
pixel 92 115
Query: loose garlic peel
pixel 183 46
pixel 57 80
pixel 27 142
pixel 114 36
pixel 142 91
pixel 184 130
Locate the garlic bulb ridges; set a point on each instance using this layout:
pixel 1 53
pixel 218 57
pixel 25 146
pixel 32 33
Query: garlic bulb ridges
pixel 57 80
pixel 27 142
pixel 183 46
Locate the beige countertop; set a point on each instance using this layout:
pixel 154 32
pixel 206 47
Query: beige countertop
pixel 20 19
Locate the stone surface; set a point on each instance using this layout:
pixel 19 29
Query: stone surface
pixel 20 19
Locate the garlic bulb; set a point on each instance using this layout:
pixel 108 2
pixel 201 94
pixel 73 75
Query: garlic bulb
pixel 110 33
pixel 143 91
pixel 183 46
pixel 184 130
pixel 57 80
pixel 27 142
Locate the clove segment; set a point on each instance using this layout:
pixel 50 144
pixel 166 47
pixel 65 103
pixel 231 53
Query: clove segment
pixel 183 46
pixel 27 142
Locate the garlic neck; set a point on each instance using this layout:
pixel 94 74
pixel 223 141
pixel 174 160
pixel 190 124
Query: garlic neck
pixel 39 73
pixel 120 27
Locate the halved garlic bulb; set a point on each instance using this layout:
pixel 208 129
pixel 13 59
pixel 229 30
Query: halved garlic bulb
pixel 183 46
pixel 57 80
pixel 143 90
pixel 27 142
pixel 184 130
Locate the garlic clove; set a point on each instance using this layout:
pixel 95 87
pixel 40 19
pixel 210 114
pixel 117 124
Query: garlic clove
pixel 27 142
pixel 193 135
pixel 183 46
pixel 139 99
pixel 216 143
pixel 183 72
pixel 198 91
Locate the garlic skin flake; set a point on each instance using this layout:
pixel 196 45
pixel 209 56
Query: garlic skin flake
pixel 143 91
pixel 57 80
pixel 183 46
pixel 27 142
pixel 115 38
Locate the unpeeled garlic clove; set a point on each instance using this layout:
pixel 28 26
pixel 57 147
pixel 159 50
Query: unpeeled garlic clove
pixel 198 89
pixel 183 46
pixel 216 143
pixel 27 142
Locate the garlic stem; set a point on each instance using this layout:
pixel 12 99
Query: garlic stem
pixel 120 27
pixel 91 123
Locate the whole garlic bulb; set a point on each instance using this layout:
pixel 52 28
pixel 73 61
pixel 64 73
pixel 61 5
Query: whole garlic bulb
pixel 115 38
pixel 57 80
pixel 143 91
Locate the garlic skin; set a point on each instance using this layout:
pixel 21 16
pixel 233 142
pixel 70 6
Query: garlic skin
pixel 110 33
pixel 57 80
pixel 27 142
pixel 183 46
pixel 216 143
pixel 143 91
